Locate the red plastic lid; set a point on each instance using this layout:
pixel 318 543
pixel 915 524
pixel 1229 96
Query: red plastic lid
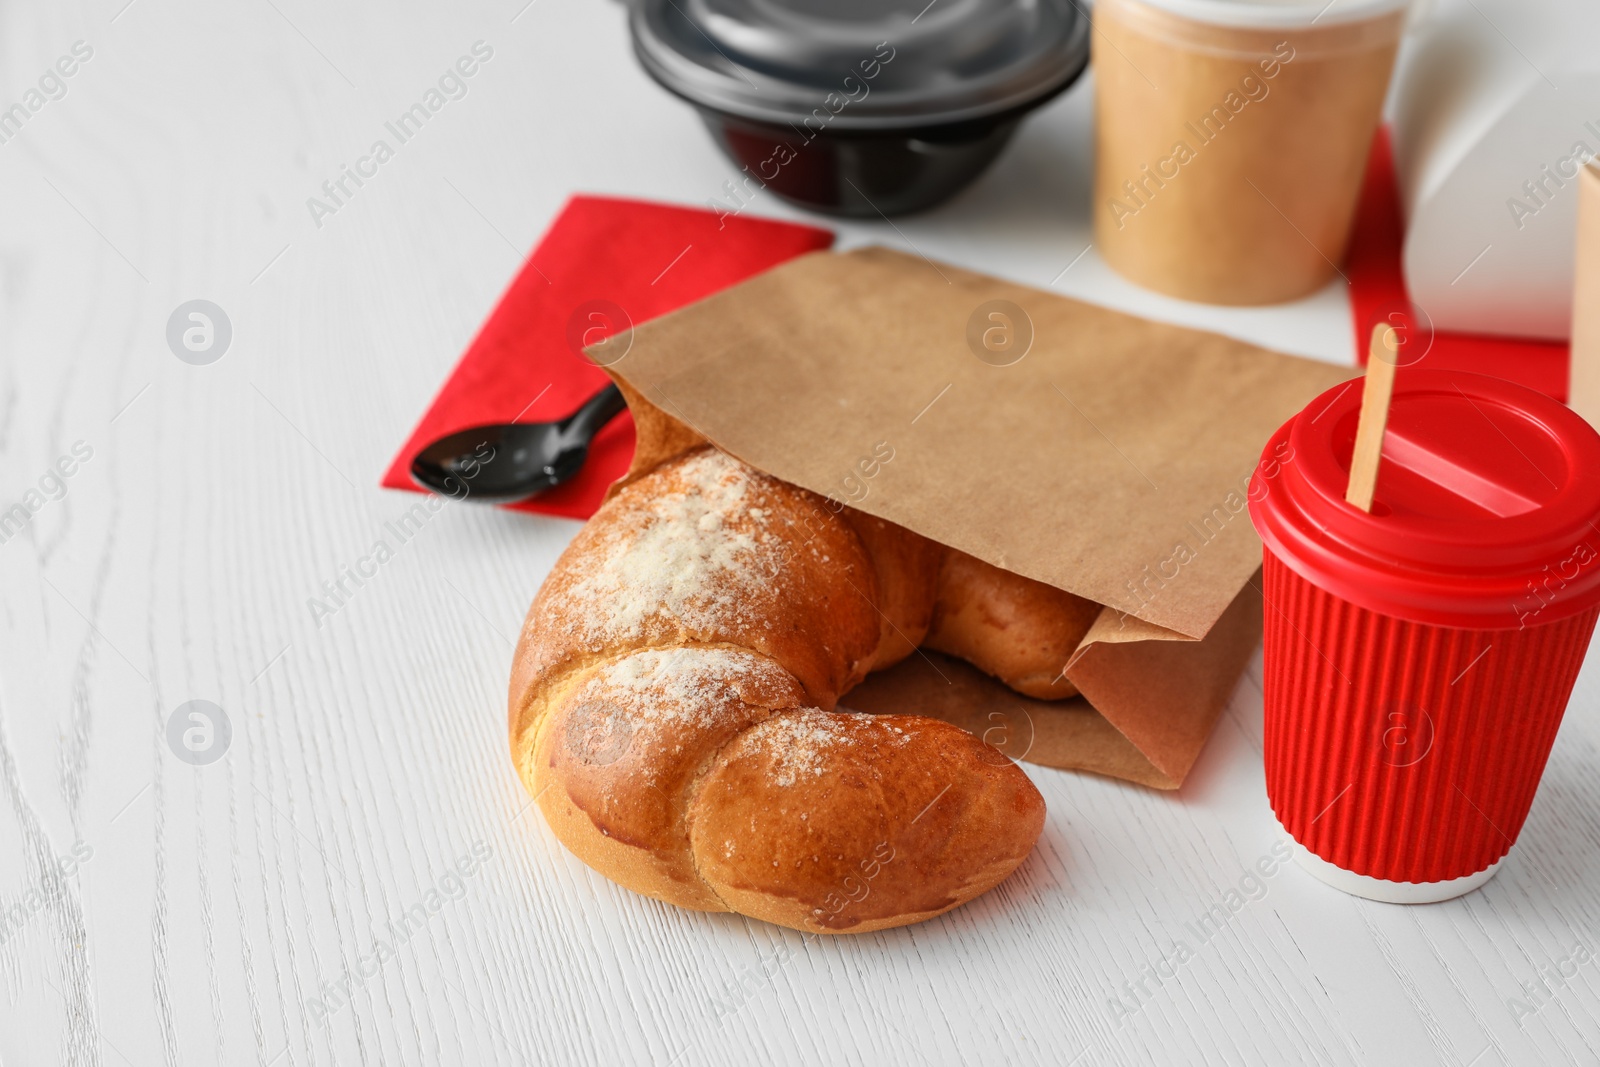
pixel 1487 510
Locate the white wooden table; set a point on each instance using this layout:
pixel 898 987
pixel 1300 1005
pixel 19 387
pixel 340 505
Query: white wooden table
pixel 157 912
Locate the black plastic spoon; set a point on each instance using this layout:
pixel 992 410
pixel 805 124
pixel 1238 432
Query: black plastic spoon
pixel 508 462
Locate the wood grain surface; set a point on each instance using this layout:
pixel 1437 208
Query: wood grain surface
pixel 359 877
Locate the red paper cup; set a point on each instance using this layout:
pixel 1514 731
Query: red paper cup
pixel 1419 657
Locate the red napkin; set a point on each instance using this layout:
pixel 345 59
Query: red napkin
pixel 1378 294
pixel 605 264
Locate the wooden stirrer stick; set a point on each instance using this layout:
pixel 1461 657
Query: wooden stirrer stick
pixel 1376 390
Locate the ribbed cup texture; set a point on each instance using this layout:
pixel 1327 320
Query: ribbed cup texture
pixel 1405 751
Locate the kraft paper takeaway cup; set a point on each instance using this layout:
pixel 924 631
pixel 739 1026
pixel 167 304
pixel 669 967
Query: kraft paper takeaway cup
pixel 1419 657
pixel 1231 137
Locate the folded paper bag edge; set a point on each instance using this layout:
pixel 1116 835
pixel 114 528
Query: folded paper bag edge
pixel 1164 696
pixel 1070 735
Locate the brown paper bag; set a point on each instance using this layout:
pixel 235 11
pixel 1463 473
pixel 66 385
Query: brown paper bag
pixel 1098 452
pixel 1583 394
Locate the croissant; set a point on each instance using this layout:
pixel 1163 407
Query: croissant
pixel 672 697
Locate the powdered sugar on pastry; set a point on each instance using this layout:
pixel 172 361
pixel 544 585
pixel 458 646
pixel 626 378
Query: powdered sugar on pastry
pixel 685 686
pixel 803 743
pixel 673 689
pixel 696 557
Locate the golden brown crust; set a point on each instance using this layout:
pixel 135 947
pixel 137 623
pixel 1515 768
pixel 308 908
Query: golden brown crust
pixel 907 567
pixel 618 761
pixel 671 706
pixel 1014 628
pixel 848 823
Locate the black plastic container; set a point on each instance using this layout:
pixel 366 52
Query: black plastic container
pixel 861 107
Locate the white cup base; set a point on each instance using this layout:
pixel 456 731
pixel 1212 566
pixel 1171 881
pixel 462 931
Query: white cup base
pixel 1363 885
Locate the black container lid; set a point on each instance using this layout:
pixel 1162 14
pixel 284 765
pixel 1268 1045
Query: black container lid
pixel 892 63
